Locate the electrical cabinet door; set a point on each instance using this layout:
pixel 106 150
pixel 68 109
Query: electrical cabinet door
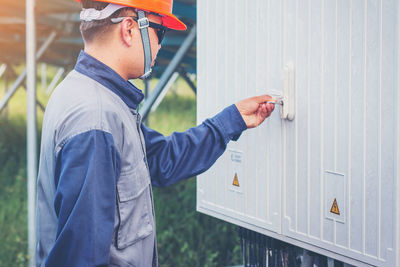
pixel 227 72
pixel 326 177
pixel 341 175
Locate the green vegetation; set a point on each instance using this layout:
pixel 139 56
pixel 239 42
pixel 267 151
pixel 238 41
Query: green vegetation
pixel 185 237
pixel 13 210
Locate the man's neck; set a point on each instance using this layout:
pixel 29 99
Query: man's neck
pixel 107 58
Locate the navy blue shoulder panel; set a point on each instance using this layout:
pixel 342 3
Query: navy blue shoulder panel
pixel 86 174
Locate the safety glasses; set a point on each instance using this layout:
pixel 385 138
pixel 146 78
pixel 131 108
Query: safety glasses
pixel 144 22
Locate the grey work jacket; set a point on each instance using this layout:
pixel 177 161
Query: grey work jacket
pixel 81 104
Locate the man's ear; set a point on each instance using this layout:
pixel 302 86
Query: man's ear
pixel 127 31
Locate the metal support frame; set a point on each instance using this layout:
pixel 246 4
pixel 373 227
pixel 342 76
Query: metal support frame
pixel 55 80
pixel 12 90
pixel 22 76
pixel 165 77
pixel 185 76
pixel 31 126
pixel 164 91
pixel 3 69
pixel 146 88
pixel 23 84
pixel 6 80
pixel 43 68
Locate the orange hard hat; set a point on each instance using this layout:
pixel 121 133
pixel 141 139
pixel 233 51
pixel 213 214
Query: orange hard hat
pixel 162 7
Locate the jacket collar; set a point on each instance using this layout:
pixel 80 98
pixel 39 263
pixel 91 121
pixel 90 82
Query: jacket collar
pixel 98 71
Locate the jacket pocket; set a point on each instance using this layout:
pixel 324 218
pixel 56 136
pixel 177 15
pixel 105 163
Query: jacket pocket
pixel 133 206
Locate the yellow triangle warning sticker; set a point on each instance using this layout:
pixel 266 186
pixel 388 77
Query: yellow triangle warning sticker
pixel 236 180
pixel 335 208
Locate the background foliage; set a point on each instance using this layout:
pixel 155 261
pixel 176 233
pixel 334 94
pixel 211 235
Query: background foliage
pixel 185 237
pixel 13 208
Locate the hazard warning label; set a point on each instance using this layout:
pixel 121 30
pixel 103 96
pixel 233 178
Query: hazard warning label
pixel 236 176
pixel 335 196
pixel 236 180
pixel 335 208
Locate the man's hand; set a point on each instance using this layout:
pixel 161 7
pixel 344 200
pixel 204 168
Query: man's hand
pixel 255 110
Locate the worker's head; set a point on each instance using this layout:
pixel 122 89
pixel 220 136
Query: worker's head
pixel 112 30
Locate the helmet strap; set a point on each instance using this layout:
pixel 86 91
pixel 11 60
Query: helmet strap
pixel 143 23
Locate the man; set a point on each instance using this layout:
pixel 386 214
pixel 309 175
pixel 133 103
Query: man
pixel 98 161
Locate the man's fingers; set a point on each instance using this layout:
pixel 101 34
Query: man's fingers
pixel 265 109
pixel 264 98
pixel 270 107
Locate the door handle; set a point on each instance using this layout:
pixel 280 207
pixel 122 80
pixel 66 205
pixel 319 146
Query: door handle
pixel 288 97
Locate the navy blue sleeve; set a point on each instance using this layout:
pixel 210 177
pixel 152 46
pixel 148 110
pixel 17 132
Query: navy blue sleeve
pixel 87 169
pixel 183 155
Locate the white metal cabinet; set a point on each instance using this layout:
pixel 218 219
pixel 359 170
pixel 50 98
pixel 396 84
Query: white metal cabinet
pixel 343 143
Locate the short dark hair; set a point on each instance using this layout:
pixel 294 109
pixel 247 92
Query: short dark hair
pixel 90 30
